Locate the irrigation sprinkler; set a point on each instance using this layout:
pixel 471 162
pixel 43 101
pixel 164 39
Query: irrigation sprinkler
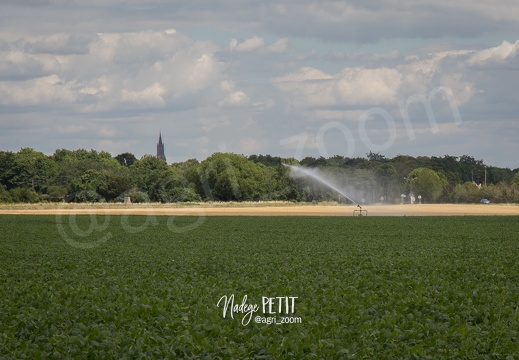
pixel 360 212
pixel 318 177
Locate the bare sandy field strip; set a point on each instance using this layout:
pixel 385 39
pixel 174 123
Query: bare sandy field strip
pixel 275 210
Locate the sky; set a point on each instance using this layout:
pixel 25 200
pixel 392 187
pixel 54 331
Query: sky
pixel 289 78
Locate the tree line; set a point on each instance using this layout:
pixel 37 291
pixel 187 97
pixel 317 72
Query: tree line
pixel 29 176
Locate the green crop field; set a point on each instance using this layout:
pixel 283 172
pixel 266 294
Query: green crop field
pixel 145 287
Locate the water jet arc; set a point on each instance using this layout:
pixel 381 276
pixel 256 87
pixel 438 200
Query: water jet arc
pixel 311 174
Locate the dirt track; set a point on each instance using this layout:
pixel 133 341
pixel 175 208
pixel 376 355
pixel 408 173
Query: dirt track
pixel 274 210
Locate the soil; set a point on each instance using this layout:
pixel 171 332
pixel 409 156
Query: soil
pixel 265 209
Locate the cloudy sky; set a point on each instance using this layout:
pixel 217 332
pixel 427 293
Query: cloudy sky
pixel 289 78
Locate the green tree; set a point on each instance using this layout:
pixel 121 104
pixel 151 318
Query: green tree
pixel 24 195
pixel 84 188
pixel 387 178
pixel 505 193
pixel 190 171
pixel 56 193
pixel 126 159
pixel 175 186
pixel 404 164
pixel 267 160
pixel 77 170
pixel 105 184
pixel 225 176
pixel 34 170
pixel 147 174
pixel 467 193
pixel 101 157
pixel 471 169
pixel 7 168
pixel 114 182
pixel 516 179
pixel 313 162
pixel 496 175
pixel 515 189
pixel 375 156
pixel 447 165
pixel 427 183
pixel 5 196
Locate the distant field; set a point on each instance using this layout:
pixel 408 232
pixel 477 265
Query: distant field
pixel 148 287
pixel 262 208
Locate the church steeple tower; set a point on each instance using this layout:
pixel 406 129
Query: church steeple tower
pixel 160 148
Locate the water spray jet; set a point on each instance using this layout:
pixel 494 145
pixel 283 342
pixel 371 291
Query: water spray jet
pixel 311 174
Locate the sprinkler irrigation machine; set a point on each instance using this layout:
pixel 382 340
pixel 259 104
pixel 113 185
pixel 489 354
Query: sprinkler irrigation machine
pixel 360 212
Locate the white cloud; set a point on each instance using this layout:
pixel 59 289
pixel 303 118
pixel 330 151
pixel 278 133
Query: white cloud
pixel 279 46
pixel 184 74
pixel 235 99
pixel 45 90
pixel 304 74
pixel 152 96
pixel 138 47
pixel 360 86
pixel 444 68
pixel 308 87
pixel 227 85
pixel 247 45
pixel 17 64
pixel 264 105
pixel 258 44
pixel 496 55
pixel 352 86
pixel 149 69
pixel 312 88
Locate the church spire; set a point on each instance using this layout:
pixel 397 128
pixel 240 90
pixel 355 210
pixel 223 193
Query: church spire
pixel 160 148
